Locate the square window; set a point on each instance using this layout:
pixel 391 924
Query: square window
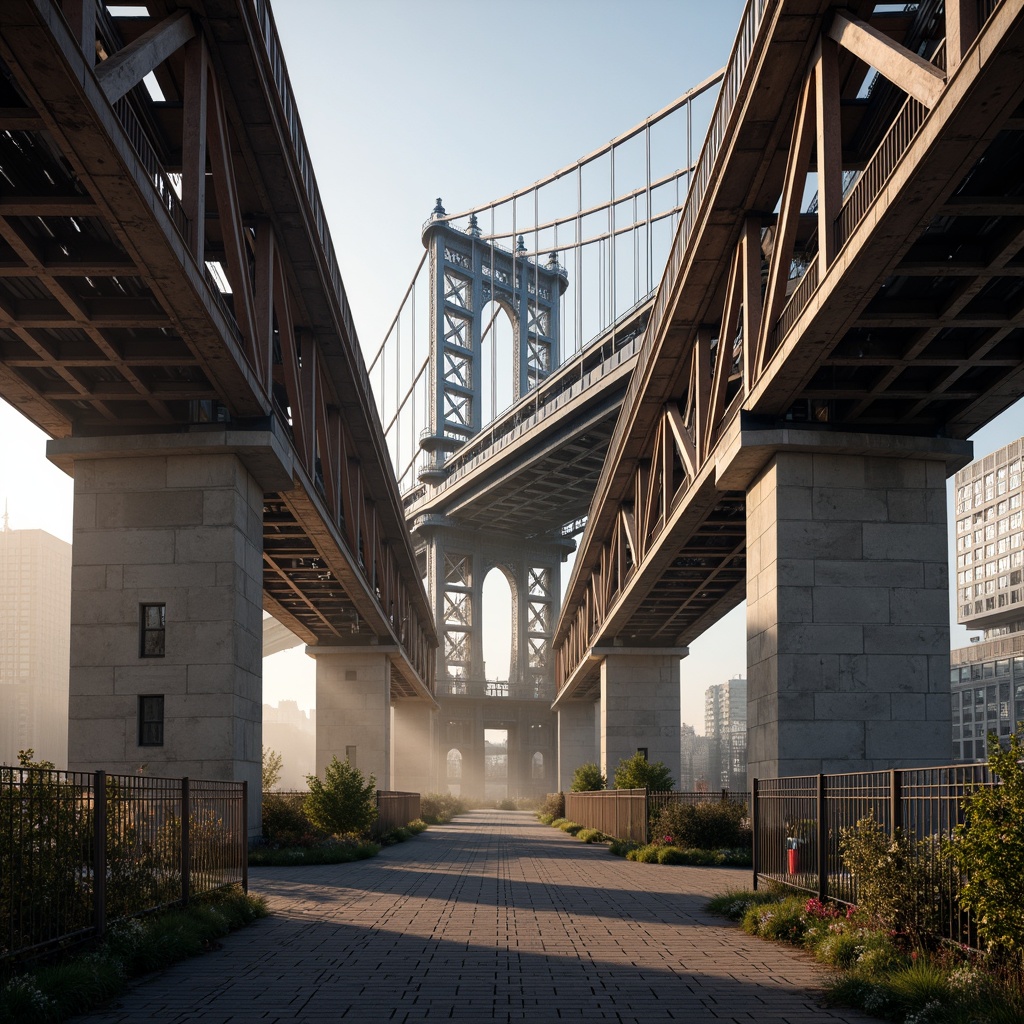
pixel 152 630
pixel 151 720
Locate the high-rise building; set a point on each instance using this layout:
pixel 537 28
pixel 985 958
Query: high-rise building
pixel 35 644
pixel 725 726
pixel 693 760
pixel 987 678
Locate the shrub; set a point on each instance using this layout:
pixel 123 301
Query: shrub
pixel 440 808
pixel 646 854
pixel 591 835
pixel 708 826
pixel 571 827
pixel 587 778
pixel 545 819
pixel 345 803
pixel 507 805
pixel 554 804
pixel 735 903
pixel 780 920
pixel 558 822
pixel 894 882
pixel 989 849
pixel 637 772
pixel 273 763
pixel 621 847
pixel 285 822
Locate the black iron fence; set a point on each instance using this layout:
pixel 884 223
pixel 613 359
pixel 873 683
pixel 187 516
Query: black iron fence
pixel 80 848
pixel 626 813
pixel 798 824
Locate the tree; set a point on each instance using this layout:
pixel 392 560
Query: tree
pixel 344 803
pixel 587 777
pixel 273 762
pixel 988 848
pixel 637 772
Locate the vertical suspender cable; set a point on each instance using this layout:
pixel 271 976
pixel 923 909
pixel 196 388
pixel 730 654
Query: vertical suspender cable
pixel 650 238
pixel 578 341
pixel 611 242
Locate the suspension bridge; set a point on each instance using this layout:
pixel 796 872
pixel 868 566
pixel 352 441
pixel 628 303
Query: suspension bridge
pixel 738 363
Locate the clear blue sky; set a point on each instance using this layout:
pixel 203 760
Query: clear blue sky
pixel 403 101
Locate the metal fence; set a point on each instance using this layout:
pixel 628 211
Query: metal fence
pixel 626 813
pixel 798 824
pixel 80 848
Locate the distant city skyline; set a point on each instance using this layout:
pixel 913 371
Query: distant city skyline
pixel 456 99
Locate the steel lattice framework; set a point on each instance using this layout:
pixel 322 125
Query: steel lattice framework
pixel 166 268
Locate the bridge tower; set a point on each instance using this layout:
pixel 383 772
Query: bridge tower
pixel 467 272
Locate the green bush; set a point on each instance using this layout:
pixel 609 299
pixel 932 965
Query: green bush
pixel 735 903
pixel 897 881
pixel 554 804
pixel 637 772
pixel 621 847
pixel 558 822
pixel 132 946
pixel 591 835
pixel 571 827
pixel 345 802
pixel 330 851
pixel 440 808
pixel 587 778
pixel 706 826
pixel 285 822
pixel 545 819
pixel 783 920
pixel 646 854
pixel 988 848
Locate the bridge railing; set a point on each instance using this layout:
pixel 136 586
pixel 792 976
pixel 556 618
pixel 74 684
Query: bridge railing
pixel 496 688
pixel 799 821
pixel 78 849
pixel 735 70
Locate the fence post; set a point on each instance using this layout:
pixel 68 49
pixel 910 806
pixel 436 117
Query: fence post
pixel 822 840
pixel 647 815
pixel 754 837
pixel 895 801
pixel 245 835
pixel 99 852
pixel 725 795
pixel 186 845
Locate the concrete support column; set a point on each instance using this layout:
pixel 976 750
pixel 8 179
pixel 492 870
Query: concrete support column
pixel 353 709
pixel 166 605
pixel 414 742
pixel 640 706
pixel 848 607
pixel 577 739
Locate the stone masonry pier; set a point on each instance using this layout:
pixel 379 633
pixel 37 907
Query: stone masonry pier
pixel 491 918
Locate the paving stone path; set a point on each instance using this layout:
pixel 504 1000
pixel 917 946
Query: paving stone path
pixel 491 918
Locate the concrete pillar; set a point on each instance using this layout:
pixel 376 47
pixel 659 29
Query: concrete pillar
pixel 414 743
pixel 166 605
pixel 353 709
pixel 848 609
pixel 640 706
pixel 577 739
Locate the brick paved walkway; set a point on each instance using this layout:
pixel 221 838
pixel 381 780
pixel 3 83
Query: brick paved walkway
pixel 491 918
